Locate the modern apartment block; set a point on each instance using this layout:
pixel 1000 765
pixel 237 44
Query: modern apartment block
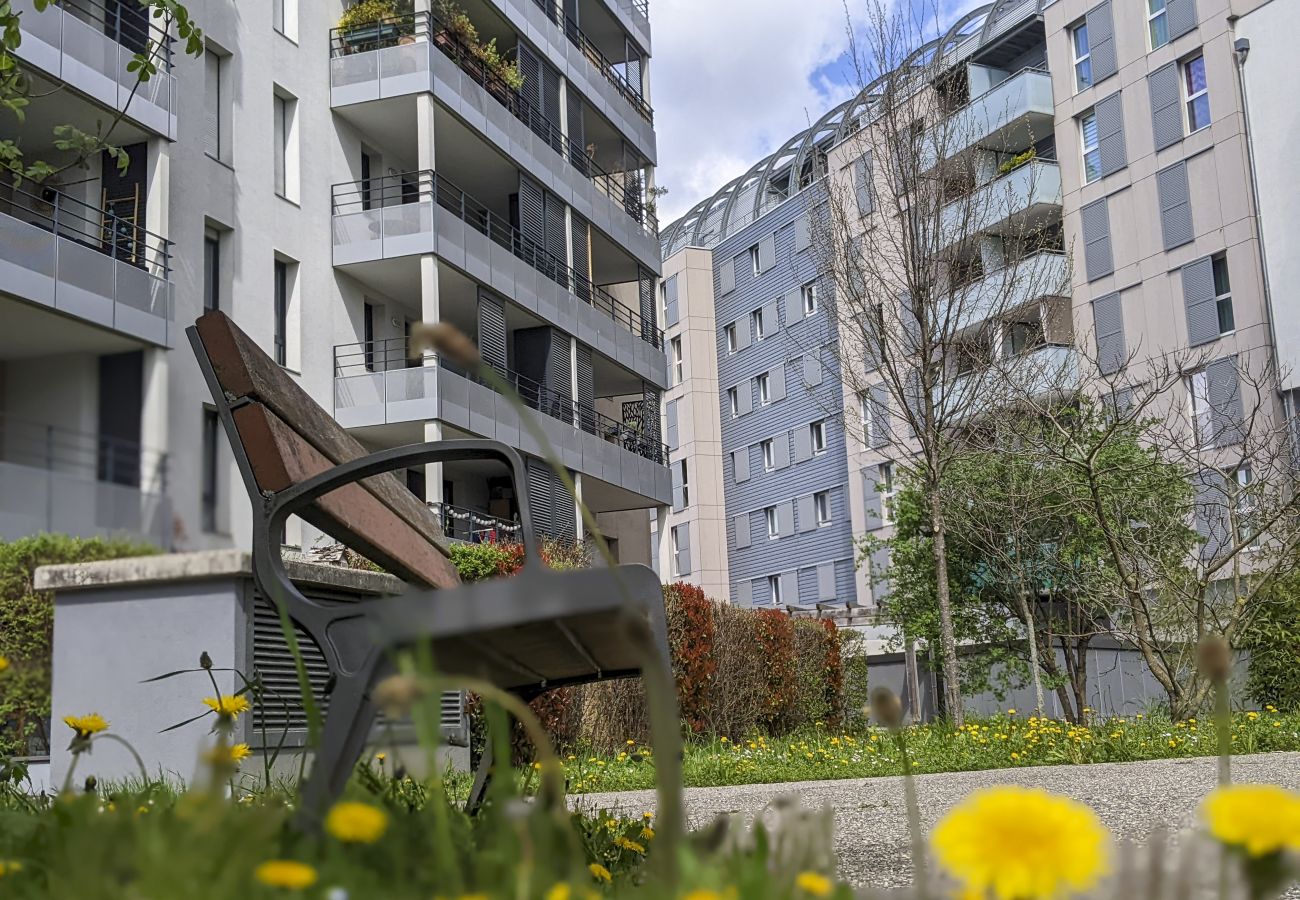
pixel 327 188
pixel 1158 141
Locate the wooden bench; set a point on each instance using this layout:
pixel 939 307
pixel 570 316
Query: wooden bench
pixel 527 633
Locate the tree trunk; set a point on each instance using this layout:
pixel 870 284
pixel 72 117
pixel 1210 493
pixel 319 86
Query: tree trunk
pixel 1032 637
pixel 952 705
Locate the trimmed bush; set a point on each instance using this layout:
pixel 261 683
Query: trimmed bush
pixel 690 637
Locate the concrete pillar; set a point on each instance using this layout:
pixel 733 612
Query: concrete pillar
pixel 431 311
pixel 577 512
pixel 424 117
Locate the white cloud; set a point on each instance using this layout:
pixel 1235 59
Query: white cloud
pixel 733 79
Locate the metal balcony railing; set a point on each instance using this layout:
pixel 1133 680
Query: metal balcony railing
pixel 474 526
pixel 117 236
pixel 626 189
pixel 128 23
pixel 416 187
pixel 630 92
pixel 641 7
pixel 57 449
pixel 392 353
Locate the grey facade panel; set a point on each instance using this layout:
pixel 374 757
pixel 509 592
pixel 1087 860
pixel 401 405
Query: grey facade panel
pixel 776 383
pixel 1199 302
pixel 1108 319
pixel 802 438
pixel 1101 42
pixel 771 319
pixel 1212 520
pixel 785 518
pixel 727 277
pixel 1175 205
pixel 767 253
pixel 1110 134
pixel 871 497
pixel 742 531
pixel 1098 260
pixel 826 582
pixel 683 533
pixel 671 315
pixel 743 593
pixel 781 450
pixel 793 300
pixel 1166 105
pixel 802 234
pixel 740 465
pixel 744 398
pixel 789 587
pixel 812 369
pixel 1225 401
pixel 880 573
pixel 878 397
pixel 806 513
pixel 670 415
pixel 1181 17
pixel 742 333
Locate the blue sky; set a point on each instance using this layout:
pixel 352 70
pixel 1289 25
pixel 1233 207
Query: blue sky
pixel 733 79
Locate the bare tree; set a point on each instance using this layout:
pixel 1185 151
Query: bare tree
pixel 933 243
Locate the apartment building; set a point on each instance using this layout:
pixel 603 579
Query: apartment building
pixel 327 187
pixel 1120 132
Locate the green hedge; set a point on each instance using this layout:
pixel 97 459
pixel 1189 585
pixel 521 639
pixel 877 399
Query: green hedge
pixel 27 627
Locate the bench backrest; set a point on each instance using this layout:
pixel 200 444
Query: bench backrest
pixel 287 438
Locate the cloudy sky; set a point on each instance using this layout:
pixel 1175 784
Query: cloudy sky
pixel 731 80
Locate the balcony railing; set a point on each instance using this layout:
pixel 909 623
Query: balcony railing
pixel 623 188
pixel 630 92
pixel 421 187
pixel 472 526
pixel 392 354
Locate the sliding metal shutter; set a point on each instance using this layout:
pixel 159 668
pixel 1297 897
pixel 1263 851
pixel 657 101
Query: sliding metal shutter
pixel 670 413
pixel 633 66
pixel 492 331
pixel 785 518
pixel 559 376
pixel 742 332
pixel 771 318
pixel 862 184
pixel 530 67
pixel 726 277
pixel 767 253
pixel 1199 302
pixel 1108 318
pixel 742 531
pixel 878 397
pixel 802 437
pixel 743 594
pixel 1110 134
pixel 1101 42
pixel 745 397
pixel 532 212
pixel 1097 259
pixel 812 369
pixel 586 390
pixel 540 497
pixel 1166 105
pixel 1181 17
pixel 776 386
pixel 781 450
pixel 871 497
pixel 679 489
pixel 802 233
pixel 557 249
pixel 793 306
pixel 825 581
pixel 790 587
pixel 670 301
pixel 1175 205
pixel 1212 518
pixel 880 574
pixel 582 257
pixel 683 532
pixel 551 96
pixel 740 464
pixel 576 130
pixel 1225 401
pixel 649 317
pixel 806 514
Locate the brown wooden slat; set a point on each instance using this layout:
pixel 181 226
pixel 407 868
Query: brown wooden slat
pixel 244 370
pixel 280 458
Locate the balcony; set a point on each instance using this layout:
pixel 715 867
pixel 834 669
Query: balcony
pixel 1046 369
pixel 55 479
pixel 58 252
pixel 473 526
pixel 1007 118
pixel 88 43
pixel 1025 197
pixel 1042 274
pixel 397 58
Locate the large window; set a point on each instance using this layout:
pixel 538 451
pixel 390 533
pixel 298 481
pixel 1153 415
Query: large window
pixel 1091 146
pixel 1082 57
pixel 1157 23
pixel 1223 295
pixel 1198 388
pixel 1196 93
pixel 208 499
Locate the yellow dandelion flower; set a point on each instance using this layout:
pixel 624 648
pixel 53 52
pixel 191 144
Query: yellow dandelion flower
pixel 702 894
pixel 9 867
pixel 626 844
pixel 559 891
pixel 4 663
pixel 285 873
pixel 647 833
pixel 1021 843
pixel 1259 818
pixel 356 823
pixel 227 756
pixel 230 706
pixel 814 884
pixel 380 757
pixel 85 726
pixel 599 872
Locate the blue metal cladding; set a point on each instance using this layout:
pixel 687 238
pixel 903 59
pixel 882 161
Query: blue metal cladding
pixel 786 354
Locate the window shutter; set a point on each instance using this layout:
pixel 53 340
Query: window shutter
pixel 492 331
pixel 532 212
pixel 679 492
pixel 1108 319
pixel 789 587
pixel 862 183
pixel 540 497
pixel 1225 401
pixel 683 548
pixel 744 397
pixel 785 518
pixel 531 68
pixel 670 413
pixel 802 234
pixel 1110 134
pixel 1097 259
pixel 880 574
pixel 573 122
pixel 793 306
pixel 807 514
pixel 1181 17
pixel 212 103
pixel 582 265
pixel 767 253
pixel 727 277
pixel 742 333
pixel 812 369
pixel 670 300
pixel 781 450
pixel 871 497
pixel 826 582
pixel 740 464
pixel 1101 42
pixel 743 594
pixel 802 444
pixel 771 319
pixel 1166 105
pixel 586 399
pixel 1211 512
pixel 1175 205
pixel 1198 301
pixel 776 383
pixel 878 397
pixel 742 531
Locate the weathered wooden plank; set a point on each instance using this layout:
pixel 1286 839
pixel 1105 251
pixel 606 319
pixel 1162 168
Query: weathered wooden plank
pixel 280 458
pixel 244 370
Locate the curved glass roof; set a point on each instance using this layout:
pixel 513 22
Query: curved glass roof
pixel 795 165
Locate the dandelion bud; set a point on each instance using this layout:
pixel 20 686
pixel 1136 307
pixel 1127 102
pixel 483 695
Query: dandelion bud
pixel 205 661
pixel 887 706
pixel 1214 659
pixel 91 783
pixel 396 694
pixel 446 339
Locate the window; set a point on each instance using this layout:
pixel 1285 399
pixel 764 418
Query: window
pixel 211 270
pixel 733 399
pixel 208 500
pixel 367 165
pixel 216 103
pixel 756 319
pixel 368 335
pixel 1198 387
pixel 1157 23
pixel 1082 57
pixel 1198 97
pixel 868 417
pixel 773 527
pixel 822 504
pixel 284 18
pixel 1223 295
pixel 809 294
pixel 285 136
pixel 764 389
pixel 677 549
pixel 769 454
pixel 1243 506
pixel 730 332
pixel 686 490
pixel 818 430
pixel 281 312
pixel 1091 147
pixel 753 260
pixel 886 493
pixel 774 589
pixel 676 345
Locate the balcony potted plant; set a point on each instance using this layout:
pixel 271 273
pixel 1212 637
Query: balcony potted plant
pixel 370 24
pixel 458 37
